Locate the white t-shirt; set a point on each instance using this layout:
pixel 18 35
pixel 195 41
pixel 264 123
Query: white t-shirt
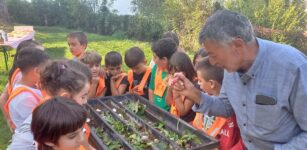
pixel 21 106
pixel 23 137
pixel 151 64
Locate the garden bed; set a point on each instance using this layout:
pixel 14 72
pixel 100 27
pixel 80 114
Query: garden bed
pixel 137 124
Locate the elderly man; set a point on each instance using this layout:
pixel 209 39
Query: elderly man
pixel 265 84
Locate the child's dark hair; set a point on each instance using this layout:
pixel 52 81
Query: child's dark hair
pixel 54 118
pixel 134 56
pixel 78 66
pixel 30 57
pixel 210 72
pixel 180 62
pixel 80 36
pixel 61 75
pixel 113 58
pixel 172 35
pixel 201 52
pixel 23 44
pixel 164 48
pixel 91 58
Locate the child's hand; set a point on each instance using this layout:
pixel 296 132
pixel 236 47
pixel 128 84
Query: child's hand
pixel 173 80
pixel 95 79
pixel 103 73
pixel 116 77
pixel 135 89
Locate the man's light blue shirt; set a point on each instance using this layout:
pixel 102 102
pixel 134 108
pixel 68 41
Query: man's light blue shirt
pixel 278 118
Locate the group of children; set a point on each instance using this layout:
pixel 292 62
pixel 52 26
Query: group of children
pixel 42 98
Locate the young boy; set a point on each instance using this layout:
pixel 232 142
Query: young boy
pixel 116 81
pixel 172 35
pixel 25 95
pixel 77 42
pixel 226 130
pixel 93 61
pixel 139 74
pixel 162 50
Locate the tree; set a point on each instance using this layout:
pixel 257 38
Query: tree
pixel 4 15
pixel 186 18
pixel 282 21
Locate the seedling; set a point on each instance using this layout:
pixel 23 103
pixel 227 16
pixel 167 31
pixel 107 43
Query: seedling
pixel 110 143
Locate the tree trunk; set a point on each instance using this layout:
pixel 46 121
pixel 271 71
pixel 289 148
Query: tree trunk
pixel 4 15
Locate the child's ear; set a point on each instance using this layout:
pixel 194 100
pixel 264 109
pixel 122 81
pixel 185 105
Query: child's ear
pixel 36 70
pixel 84 46
pixel 50 144
pixel 212 84
pixel 164 60
pixel 145 61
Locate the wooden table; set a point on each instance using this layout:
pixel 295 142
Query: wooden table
pixel 13 42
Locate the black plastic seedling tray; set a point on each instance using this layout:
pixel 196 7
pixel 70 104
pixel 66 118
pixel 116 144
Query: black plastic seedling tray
pixel 148 119
pixel 95 140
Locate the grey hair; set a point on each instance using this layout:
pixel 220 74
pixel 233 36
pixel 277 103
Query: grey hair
pixel 224 25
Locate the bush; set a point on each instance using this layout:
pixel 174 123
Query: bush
pixel 277 20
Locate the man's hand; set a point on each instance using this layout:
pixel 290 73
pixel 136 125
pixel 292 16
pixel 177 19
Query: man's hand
pixel 185 87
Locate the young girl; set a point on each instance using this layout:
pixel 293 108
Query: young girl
pixel 57 124
pixel 61 78
pixel 181 106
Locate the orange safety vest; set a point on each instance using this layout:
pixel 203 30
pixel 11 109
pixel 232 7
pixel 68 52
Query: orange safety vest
pixel 11 81
pixel 160 84
pixel 216 127
pixel 14 93
pixel 173 109
pixel 198 121
pixel 101 86
pixel 87 130
pixel 142 84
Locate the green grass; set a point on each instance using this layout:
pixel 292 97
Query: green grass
pixel 54 40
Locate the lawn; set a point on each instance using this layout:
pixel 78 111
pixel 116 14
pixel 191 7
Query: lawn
pixel 54 40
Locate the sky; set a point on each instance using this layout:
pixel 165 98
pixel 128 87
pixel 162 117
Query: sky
pixel 123 7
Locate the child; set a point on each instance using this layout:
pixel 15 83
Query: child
pixel 162 50
pixel 139 74
pixel 93 61
pixel 226 130
pixel 201 53
pixel 172 35
pixel 116 81
pixel 57 124
pixel 60 78
pixel 77 42
pixel 63 79
pixel 15 74
pixel 181 106
pixel 25 95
